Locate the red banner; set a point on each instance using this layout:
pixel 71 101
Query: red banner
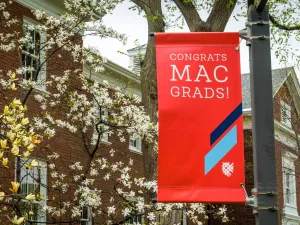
pixel 201 146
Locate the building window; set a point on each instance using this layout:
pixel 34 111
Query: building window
pixel 138 218
pixel 286 114
pixel 136 56
pixel 135 144
pixel 289 183
pixel 33 54
pixel 34 181
pixel 290 190
pixel 135 220
pixel 86 216
pixel 137 64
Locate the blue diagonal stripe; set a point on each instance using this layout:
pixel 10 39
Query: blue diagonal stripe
pixel 231 118
pixel 220 149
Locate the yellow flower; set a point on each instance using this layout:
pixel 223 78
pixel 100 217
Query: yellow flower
pixel 26 154
pixel 35 140
pixel 16 102
pixel 6 110
pixel 16 141
pixel 30 147
pixel 13 87
pixel 25 141
pixel 18 221
pixel 2 194
pixel 13 76
pixel 3 143
pixel 11 135
pixel 24 121
pixel 5 161
pixel 18 127
pixel 10 119
pixel 31 213
pixel 32 164
pixel 15 150
pixel 1 154
pixel 30 197
pixel 15 187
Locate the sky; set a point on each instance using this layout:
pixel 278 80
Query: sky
pixel 135 27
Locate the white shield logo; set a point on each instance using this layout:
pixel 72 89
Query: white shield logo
pixel 227 168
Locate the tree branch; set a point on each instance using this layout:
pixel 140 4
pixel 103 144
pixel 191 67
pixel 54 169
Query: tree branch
pixel 220 14
pixel 190 15
pixel 281 26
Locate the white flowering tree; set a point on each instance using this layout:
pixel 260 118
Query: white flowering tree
pixel 42 114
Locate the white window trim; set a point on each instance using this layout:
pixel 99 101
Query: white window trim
pixel 42 215
pixel 134 199
pixel 138 148
pixel 46 6
pixel 42 74
pixel 89 220
pixel 135 55
pixel 135 218
pixel 288 160
pixel 287 108
pixel 288 219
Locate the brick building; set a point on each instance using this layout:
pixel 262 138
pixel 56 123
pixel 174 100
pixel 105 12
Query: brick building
pixel 286 92
pixel 68 145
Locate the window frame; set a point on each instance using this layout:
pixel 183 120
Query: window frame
pixel 138 147
pixel 288 169
pixel 138 219
pixel 89 219
pixel 20 165
pixel 41 79
pixel 285 114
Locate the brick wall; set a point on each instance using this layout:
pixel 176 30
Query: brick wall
pixel 284 95
pixel 69 146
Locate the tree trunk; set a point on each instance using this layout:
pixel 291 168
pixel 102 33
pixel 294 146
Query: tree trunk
pixel 153 11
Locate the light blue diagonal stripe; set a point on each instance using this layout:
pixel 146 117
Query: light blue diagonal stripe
pixel 220 149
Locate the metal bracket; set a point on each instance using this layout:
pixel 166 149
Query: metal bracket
pixel 249 199
pixel 244 34
pixel 272 193
pixel 262 37
pixel 259 22
pixel 270 208
pixel 255 207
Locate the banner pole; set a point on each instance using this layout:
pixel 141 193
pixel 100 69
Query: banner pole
pixel 265 185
